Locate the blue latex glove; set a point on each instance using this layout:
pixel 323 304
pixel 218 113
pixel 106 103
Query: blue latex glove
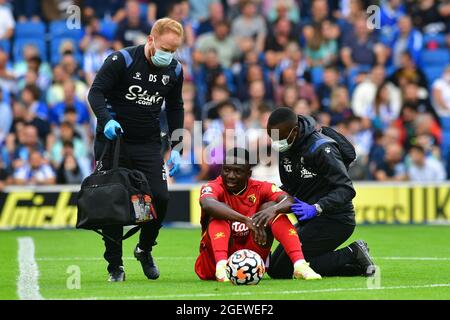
pixel 174 161
pixel 303 210
pixel 110 129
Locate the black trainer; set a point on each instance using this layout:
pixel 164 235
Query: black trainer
pixel 149 267
pixel 117 274
pixel 362 256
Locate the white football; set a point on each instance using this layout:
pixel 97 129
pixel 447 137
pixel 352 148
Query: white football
pixel 245 267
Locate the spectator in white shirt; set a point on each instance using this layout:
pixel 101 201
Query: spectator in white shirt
pixel 7 21
pixel 423 168
pixel 441 94
pixel 35 172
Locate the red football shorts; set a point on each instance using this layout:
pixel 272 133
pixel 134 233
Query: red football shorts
pixel 205 265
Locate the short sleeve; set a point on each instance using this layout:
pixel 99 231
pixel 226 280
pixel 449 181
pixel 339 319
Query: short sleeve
pixel 270 192
pixel 211 190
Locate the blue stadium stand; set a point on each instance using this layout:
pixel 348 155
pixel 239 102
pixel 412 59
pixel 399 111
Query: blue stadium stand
pixel 316 75
pixel 29 30
pixel 445 123
pixel 59 29
pixel 20 43
pixel 5 45
pixel 435 57
pixel 108 29
pixel 438 38
pixel 433 72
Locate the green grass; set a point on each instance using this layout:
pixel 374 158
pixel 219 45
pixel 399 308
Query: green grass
pixel 56 251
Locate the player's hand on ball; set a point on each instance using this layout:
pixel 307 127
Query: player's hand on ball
pixel 174 161
pixel 263 217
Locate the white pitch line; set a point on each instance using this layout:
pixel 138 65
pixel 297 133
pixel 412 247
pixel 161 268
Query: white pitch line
pixel 27 284
pixel 413 258
pixel 101 259
pixel 287 292
pixel 192 258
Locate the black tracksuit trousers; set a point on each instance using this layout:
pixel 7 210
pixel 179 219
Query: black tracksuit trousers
pixel 145 157
pixel 319 238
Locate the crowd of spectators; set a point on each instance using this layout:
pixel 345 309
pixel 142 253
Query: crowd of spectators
pixel 241 59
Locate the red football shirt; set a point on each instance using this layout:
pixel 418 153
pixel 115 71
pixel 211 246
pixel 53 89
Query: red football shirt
pixel 247 203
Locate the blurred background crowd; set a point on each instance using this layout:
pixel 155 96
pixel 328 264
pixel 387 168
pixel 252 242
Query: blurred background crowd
pixel 386 88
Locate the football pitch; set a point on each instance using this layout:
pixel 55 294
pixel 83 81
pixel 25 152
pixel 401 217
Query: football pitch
pixel 413 261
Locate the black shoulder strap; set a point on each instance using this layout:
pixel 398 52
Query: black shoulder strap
pixel 129 233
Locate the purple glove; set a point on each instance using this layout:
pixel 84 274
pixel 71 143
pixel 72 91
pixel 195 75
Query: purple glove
pixel 303 211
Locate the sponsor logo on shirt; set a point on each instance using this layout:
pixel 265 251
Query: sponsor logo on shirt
pixel 137 94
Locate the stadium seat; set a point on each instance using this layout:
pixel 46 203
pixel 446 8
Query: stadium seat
pixel 438 38
pixel 445 146
pixel 433 72
pixel 5 45
pixel 19 44
pixel 29 30
pixel 316 75
pixel 59 29
pixel 445 122
pixel 143 11
pixel 436 57
pixel 108 29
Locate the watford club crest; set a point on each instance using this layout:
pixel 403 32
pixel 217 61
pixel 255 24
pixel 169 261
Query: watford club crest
pixel 252 198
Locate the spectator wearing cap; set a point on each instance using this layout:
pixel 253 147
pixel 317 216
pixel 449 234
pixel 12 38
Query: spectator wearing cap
pixel 423 168
pixel 34 172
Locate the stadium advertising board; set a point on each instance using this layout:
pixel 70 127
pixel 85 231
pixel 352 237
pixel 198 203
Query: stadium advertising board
pixel 55 207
